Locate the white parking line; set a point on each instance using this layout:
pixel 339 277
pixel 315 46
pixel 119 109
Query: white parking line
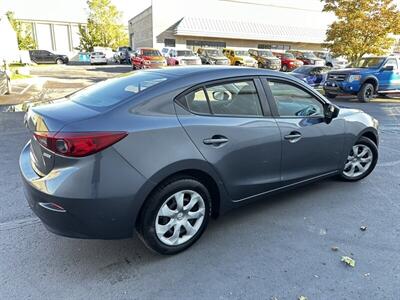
pixel 25 89
pixel 14 224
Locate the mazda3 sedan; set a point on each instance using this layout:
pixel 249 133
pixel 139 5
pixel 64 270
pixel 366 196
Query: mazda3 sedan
pixel 161 151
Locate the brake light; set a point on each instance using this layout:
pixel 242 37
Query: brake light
pixel 78 144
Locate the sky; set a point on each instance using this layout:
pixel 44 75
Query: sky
pixel 76 10
pixel 56 10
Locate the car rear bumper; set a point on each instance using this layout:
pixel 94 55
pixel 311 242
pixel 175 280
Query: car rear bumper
pixel 89 210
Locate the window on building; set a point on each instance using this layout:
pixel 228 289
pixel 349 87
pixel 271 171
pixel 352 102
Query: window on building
pixel 169 43
pixel 274 47
pixel 211 44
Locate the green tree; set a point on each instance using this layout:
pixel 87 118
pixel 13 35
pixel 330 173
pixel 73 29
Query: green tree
pixel 104 28
pixel 362 27
pixel 23 31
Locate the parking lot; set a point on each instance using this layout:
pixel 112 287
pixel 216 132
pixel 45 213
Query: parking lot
pixel 280 247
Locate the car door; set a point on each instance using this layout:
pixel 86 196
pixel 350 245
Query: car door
pixel 389 77
pixel 48 57
pixel 310 145
pixel 231 126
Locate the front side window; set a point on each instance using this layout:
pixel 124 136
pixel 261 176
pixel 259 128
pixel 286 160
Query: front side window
pixel 293 101
pixel 238 98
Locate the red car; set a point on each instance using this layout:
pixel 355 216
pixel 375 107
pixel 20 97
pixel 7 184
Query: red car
pixel 147 58
pixel 288 61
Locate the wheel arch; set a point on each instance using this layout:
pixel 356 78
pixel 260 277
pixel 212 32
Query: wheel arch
pixel 372 80
pixel 200 170
pixel 370 133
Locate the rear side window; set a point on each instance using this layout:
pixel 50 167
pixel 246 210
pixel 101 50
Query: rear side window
pixel 197 102
pixel 113 91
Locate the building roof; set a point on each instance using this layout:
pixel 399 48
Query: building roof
pixel 234 29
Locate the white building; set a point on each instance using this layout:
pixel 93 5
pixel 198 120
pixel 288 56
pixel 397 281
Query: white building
pixel 8 50
pixel 275 24
pixel 54 27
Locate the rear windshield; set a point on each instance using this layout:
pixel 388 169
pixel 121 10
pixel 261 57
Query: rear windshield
pixel 113 91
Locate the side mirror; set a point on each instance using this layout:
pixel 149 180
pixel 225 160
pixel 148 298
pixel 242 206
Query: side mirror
pixel 331 112
pixel 388 68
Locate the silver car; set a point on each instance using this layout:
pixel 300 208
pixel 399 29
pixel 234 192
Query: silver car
pixel 162 151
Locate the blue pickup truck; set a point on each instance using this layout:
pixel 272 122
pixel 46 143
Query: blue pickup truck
pixel 367 78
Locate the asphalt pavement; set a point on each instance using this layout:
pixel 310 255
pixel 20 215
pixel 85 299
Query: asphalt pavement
pixel 279 247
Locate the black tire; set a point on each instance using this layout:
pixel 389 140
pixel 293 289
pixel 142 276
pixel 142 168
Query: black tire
pixel 284 68
pixel 59 61
pixel 147 219
pixel 329 65
pixel 374 149
pixel 366 94
pixel 330 96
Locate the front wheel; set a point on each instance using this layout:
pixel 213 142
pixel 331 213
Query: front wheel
pixel 59 61
pixel 366 93
pixel 175 216
pixel 361 160
pixel 284 68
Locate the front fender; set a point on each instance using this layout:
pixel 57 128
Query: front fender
pixel 371 78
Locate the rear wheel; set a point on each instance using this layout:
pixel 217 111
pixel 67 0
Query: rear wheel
pixel 366 93
pixel 59 61
pixel 175 216
pixel 284 68
pixel 361 160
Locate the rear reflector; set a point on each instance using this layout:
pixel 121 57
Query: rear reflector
pixel 78 144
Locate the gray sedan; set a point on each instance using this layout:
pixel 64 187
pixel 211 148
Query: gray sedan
pixel 162 151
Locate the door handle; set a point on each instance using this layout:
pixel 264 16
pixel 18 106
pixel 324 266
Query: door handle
pixel 293 137
pixel 216 140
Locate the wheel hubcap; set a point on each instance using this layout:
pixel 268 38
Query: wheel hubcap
pixel 180 217
pixel 359 161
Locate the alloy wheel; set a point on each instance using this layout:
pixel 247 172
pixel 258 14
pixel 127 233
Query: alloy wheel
pixel 180 218
pixel 359 161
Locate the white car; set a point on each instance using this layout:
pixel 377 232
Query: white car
pixel 180 57
pixel 98 58
pixel 332 61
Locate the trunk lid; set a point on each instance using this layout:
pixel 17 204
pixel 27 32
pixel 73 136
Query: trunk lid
pixel 51 119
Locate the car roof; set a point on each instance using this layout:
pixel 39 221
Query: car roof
pixel 216 71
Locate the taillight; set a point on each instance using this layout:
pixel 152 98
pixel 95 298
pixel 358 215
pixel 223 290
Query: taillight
pixel 78 144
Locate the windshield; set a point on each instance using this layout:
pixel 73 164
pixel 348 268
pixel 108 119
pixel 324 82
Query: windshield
pixel 185 53
pixel 265 53
pixel 369 62
pixel 309 55
pixel 113 91
pixel 241 53
pixel 151 53
pixel 289 55
pixel 302 70
pixel 214 52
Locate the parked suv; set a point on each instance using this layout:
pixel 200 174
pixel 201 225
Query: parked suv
pixel 239 57
pixel 47 57
pixel 366 78
pixel 147 58
pixel 288 61
pixel 266 59
pixel 336 62
pixel 308 57
pixel 180 57
pixel 212 56
pixel 122 54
